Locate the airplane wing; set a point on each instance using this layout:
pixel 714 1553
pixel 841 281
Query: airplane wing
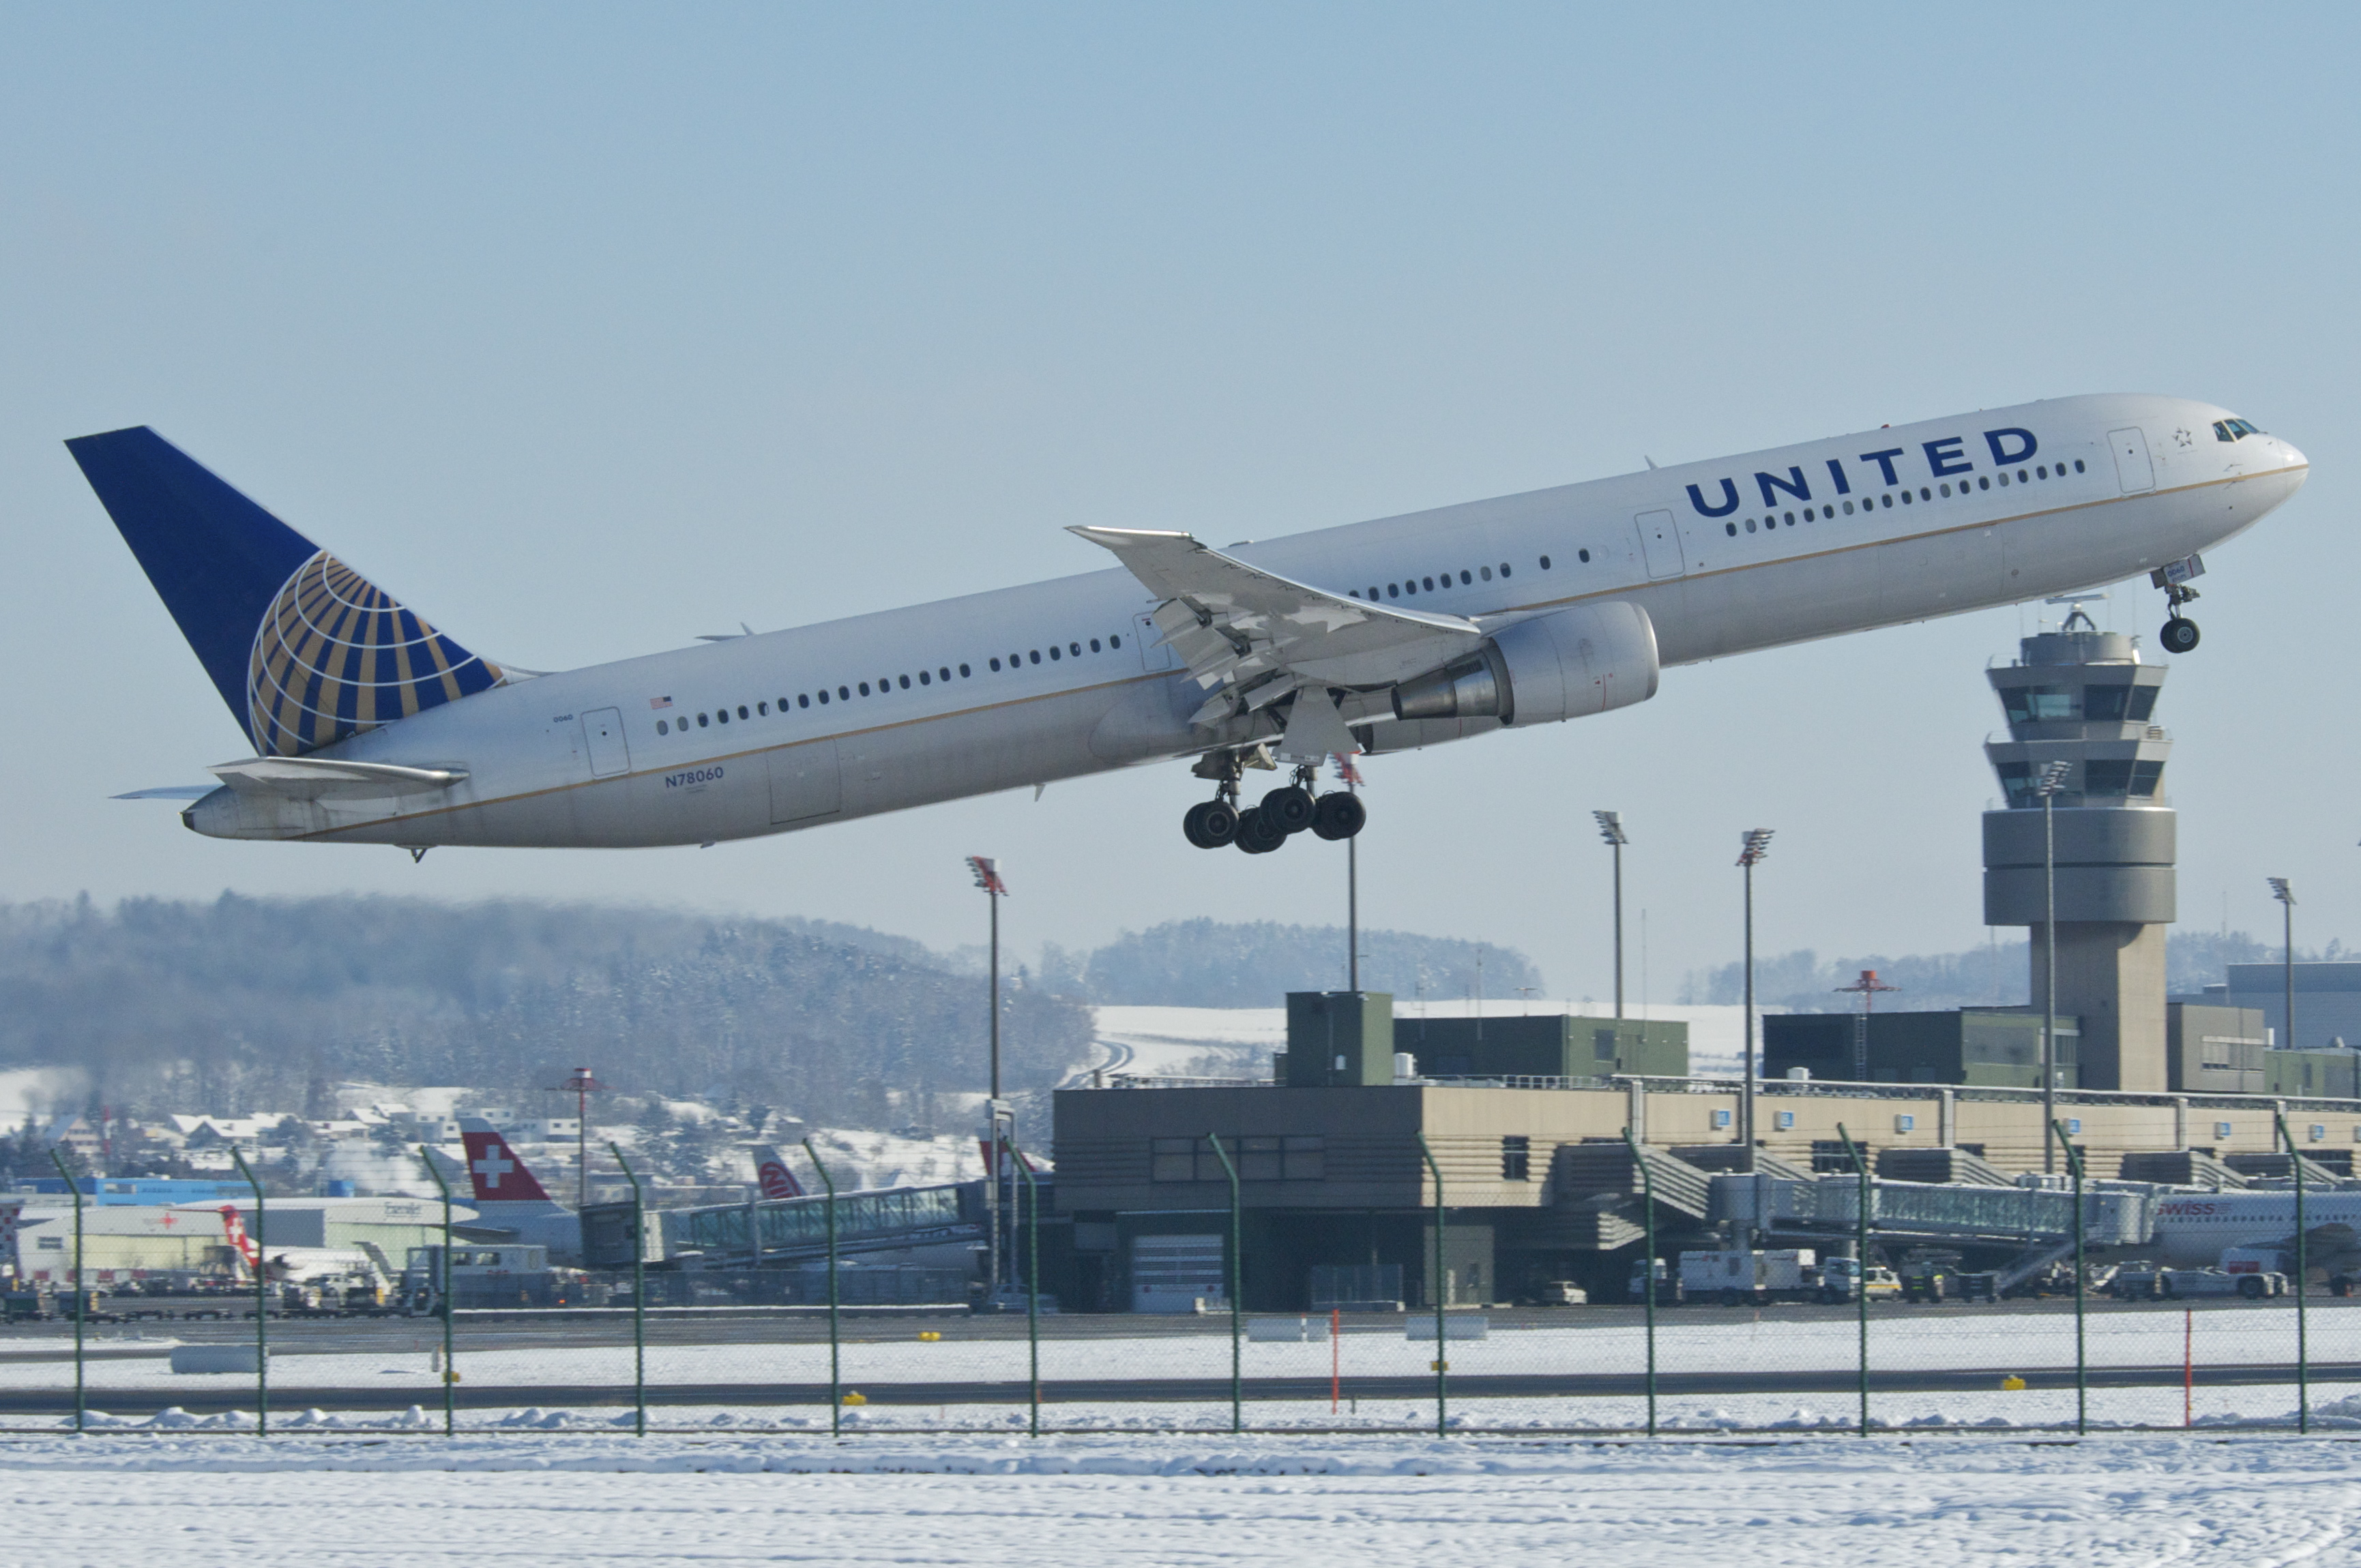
pixel 1251 636
pixel 314 778
pixel 169 791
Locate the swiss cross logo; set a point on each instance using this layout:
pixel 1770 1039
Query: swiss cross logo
pixel 491 1167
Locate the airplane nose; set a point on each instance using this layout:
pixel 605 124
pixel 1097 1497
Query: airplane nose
pixel 2295 459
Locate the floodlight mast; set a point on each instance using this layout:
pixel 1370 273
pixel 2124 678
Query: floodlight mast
pixel 1755 845
pixel 1868 985
pixel 2286 895
pixel 987 872
pixel 581 1086
pixel 1610 829
pixel 2047 783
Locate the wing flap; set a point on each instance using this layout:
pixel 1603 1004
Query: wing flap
pixel 1236 626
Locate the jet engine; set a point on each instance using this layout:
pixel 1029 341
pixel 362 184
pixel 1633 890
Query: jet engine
pixel 1567 664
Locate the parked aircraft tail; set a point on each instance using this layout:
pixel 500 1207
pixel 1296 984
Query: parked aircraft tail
pixel 772 1175
pixel 501 1179
pixel 306 650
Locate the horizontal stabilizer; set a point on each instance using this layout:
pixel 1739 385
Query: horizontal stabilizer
pixel 322 778
pixel 169 791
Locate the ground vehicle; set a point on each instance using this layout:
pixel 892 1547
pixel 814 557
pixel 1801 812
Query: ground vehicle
pixel 2183 1283
pixel 2136 1281
pixel 1668 1285
pixel 1838 1276
pixel 1736 1277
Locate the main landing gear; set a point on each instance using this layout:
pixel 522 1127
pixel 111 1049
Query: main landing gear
pixel 1283 812
pixel 2179 633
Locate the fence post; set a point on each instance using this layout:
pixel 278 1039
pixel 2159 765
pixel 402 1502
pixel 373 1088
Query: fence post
pixel 2302 1269
pixel 638 1296
pixel 835 1367
pixel 450 1362
pixel 1237 1283
pixel 1647 1265
pixel 1436 1285
pixel 1032 1282
pixel 74 1187
pixel 2082 1365
pixel 1861 1202
pixel 261 1303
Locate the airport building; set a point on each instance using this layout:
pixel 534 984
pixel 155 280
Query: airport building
pixel 1339 1199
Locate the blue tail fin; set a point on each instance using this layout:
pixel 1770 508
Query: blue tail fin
pixel 306 650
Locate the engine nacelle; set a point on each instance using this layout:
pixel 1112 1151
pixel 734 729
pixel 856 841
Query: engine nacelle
pixel 1564 666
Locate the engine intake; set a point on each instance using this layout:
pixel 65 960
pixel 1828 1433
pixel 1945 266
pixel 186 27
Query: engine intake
pixel 1566 666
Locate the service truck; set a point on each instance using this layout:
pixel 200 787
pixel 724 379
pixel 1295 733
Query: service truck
pixel 1737 1277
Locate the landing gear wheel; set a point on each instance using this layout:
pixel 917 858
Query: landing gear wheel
pixel 1289 807
pixel 1257 834
pixel 2179 635
pixel 1211 824
pixel 1339 814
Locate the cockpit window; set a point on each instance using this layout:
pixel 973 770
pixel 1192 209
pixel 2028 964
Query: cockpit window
pixel 2235 429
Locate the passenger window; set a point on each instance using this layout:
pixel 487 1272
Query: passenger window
pixel 1504 568
pixel 1373 591
pixel 1075 649
pixel 700 721
pixel 1545 565
pixel 1947 491
pixel 944 674
pixel 1924 497
pixel 963 675
pixel 925 679
pixel 1053 649
pixel 1886 500
pixel 1730 529
pixel 996 662
pixel 2042 472
pixel 1983 483
pixel 1467 577
pixel 1430 585
pixel 864 689
pixel 1036 655
pixel 2020 475
pixel 742 710
pixel 662 728
pixel 905 683
pixel 1791 519
pixel 722 715
pixel 1583 556
pixel 2004 481
pixel 2077 465
pixel 803 700
pixel 1114 642
pixel 1486 572
pixel 1393 592
pixel 1905 497
pixel 1094 644
pixel 1352 593
pixel 1848 506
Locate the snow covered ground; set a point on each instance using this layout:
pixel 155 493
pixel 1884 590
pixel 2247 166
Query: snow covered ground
pixel 885 1360
pixel 1825 1503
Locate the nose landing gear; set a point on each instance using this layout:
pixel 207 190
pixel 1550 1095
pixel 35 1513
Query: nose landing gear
pixel 1283 812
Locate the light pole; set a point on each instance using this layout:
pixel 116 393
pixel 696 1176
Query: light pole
pixel 2286 895
pixel 1610 828
pixel 2051 779
pixel 1755 845
pixel 987 877
pixel 581 1086
pixel 1352 777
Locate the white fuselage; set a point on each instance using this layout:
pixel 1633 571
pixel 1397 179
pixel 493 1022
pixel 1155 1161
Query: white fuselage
pixel 1725 557
pixel 2192 1230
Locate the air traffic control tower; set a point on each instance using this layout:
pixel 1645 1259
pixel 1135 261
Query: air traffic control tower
pixel 2080 695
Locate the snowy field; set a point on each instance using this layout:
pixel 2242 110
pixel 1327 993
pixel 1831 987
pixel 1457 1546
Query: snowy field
pixel 1813 1503
pixel 891 1366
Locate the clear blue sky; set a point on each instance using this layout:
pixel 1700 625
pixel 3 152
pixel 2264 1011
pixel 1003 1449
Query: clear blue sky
pixel 588 329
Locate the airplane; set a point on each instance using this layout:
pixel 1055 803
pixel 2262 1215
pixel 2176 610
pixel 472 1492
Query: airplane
pixel 2193 1230
pixel 368 725
pixel 510 1199
pixel 341 1267
pixel 772 1177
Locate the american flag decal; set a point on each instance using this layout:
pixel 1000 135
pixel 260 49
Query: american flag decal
pixel 659 702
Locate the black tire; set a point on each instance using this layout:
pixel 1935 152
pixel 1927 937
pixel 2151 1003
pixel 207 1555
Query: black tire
pixel 2179 635
pixel 2252 1288
pixel 1211 824
pixel 1289 807
pixel 1732 1298
pixel 1339 814
pixel 1258 835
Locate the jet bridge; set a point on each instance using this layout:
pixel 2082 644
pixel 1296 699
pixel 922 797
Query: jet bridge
pixel 2114 1215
